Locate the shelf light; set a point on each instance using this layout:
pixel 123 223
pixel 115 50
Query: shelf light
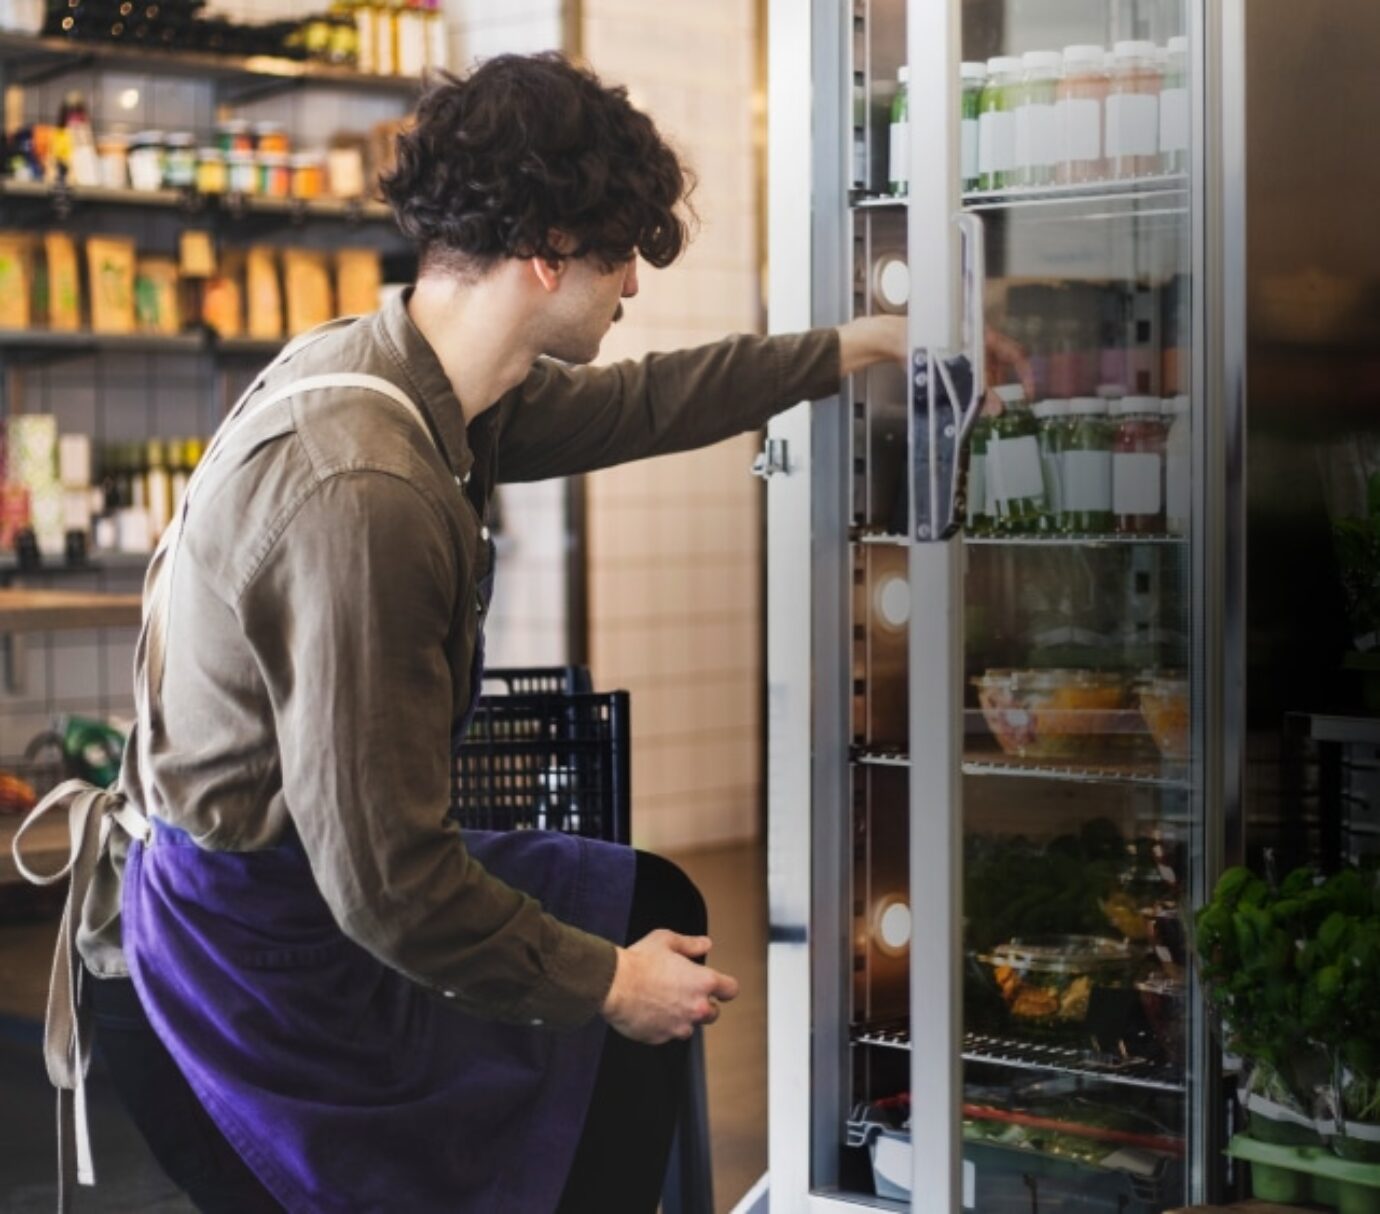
pixel 892 925
pixel 891 600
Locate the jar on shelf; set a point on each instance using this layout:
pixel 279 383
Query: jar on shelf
pixel 1133 111
pixel 898 160
pixel 1174 108
pixel 270 139
pixel 308 175
pixel 1138 447
pixel 972 75
pixel 179 161
pixel 1015 478
pixel 1036 151
pixel 275 175
pixel 997 123
pixel 1052 416
pixel 112 152
pixel 233 136
pixel 1087 468
pixel 1080 99
pixel 212 173
pixel 243 173
pixel 146 161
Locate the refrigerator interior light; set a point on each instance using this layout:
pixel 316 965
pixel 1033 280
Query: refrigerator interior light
pixel 891 283
pixel 892 925
pixel 892 601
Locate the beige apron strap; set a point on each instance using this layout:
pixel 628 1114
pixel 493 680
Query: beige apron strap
pixel 66 1040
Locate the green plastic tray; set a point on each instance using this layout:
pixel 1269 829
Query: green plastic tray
pixel 1290 1175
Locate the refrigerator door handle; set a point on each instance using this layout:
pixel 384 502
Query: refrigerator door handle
pixel 974 277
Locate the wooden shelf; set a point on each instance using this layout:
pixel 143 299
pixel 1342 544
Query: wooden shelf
pixel 28 610
pixel 38 58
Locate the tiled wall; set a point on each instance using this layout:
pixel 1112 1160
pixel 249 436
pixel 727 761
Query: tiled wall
pixel 675 543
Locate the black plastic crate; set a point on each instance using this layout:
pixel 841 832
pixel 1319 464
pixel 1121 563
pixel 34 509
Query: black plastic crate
pixel 539 680
pixel 547 762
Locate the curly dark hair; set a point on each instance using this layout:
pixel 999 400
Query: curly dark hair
pixel 526 146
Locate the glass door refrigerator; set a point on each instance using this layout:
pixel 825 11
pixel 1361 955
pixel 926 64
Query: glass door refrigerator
pixel 1002 589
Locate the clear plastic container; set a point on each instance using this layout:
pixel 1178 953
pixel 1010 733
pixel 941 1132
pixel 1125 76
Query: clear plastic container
pixel 1087 468
pixel 1059 713
pixel 146 161
pixel 179 161
pixel 997 123
pixel 1081 98
pixel 1138 465
pixel 1133 111
pixel 1174 108
pixel 1164 704
pixel 1037 145
pixel 972 75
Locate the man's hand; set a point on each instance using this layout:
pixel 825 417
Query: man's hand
pixel 872 339
pixel 658 991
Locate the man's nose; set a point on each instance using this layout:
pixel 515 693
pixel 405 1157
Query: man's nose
pixel 630 280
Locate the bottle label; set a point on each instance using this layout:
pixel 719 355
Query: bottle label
pixel 1132 124
pixel 899 171
pixel 1044 136
pixel 996 142
pixel 1173 120
pixel 1136 484
pixel 968 149
pixel 1087 480
pixel 1051 466
pixel 1082 130
pixel 1025 136
pixel 977 485
pixel 1013 469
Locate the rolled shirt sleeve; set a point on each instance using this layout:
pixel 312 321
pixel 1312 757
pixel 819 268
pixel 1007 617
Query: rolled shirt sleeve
pixel 565 420
pixel 349 615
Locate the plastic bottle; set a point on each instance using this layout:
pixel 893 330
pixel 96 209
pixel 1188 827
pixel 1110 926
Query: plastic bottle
pixel 997 123
pixel 1133 111
pixel 973 75
pixel 1015 478
pixel 1174 108
pixel 1080 99
pixel 1138 450
pixel 1087 468
pixel 1052 416
pixel 898 162
pixel 1036 142
pixel 1178 465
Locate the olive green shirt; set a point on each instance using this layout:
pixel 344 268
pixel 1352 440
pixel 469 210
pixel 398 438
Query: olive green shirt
pixel 323 617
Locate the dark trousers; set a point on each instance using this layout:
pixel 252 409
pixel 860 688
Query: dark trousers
pixel 621 1158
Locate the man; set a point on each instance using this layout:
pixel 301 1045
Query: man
pixel 338 1002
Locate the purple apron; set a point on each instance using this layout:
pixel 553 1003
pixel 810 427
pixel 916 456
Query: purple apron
pixel 342 1084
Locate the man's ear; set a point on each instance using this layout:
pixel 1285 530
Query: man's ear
pixel 548 273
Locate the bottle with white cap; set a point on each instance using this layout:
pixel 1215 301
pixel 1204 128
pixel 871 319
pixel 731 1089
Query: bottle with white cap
pixel 898 163
pixel 1036 144
pixel 1052 416
pixel 972 75
pixel 1138 448
pixel 1087 468
pixel 1174 108
pixel 997 123
pixel 1081 99
pixel 1015 478
pixel 1133 111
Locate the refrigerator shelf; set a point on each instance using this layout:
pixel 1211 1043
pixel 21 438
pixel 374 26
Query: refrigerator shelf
pixel 1159 189
pixel 883 538
pixel 1079 540
pixel 880 757
pixel 1152 775
pixel 1035 1056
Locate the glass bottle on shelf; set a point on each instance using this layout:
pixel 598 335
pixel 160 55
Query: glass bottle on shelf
pixel 1133 111
pixel 1052 416
pixel 978 519
pixel 973 76
pixel 1036 152
pixel 1138 448
pixel 1015 478
pixel 177 472
pixel 1081 96
pixel 1087 468
pixel 158 487
pixel 1178 465
pixel 997 123
pixel 1174 108
pixel 898 160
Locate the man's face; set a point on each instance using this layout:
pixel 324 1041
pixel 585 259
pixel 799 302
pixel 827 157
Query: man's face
pixel 588 302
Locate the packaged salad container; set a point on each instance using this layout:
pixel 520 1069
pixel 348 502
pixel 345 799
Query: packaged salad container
pixel 1059 714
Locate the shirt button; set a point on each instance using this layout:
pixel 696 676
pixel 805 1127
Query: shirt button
pixel 448 994
pixel 484 533
pixel 465 480
pixel 536 1024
